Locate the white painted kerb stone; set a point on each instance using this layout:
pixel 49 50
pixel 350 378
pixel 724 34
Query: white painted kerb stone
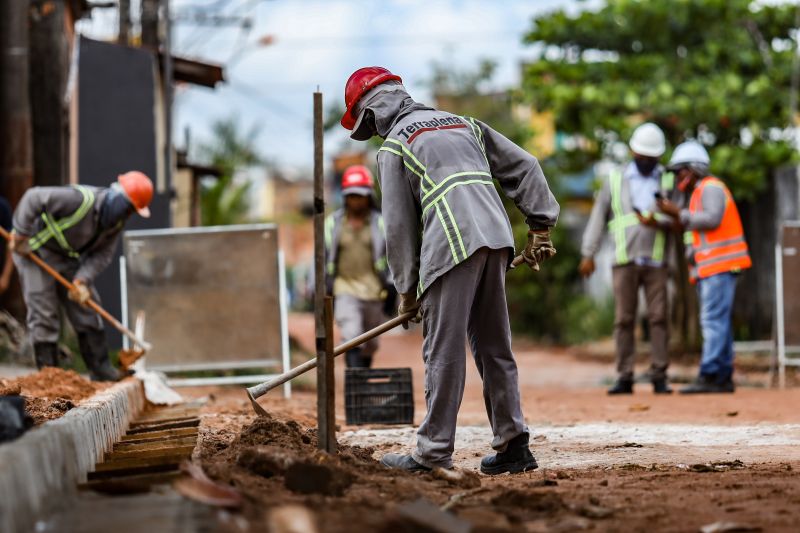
pixel 40 470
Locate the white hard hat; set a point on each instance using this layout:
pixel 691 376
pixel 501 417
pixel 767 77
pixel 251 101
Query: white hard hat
pixel 689 153
pixel 648 140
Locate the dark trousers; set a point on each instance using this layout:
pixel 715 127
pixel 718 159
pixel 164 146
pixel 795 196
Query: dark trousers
pixel 627 280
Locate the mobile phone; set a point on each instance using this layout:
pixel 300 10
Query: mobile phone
pixel 659 195
pixel 637 210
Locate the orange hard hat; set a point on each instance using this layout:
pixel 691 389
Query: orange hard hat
pixel 359 83
pixel 357 179
pixel 139 190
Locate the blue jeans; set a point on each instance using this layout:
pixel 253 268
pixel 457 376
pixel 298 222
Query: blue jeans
pixel 716 302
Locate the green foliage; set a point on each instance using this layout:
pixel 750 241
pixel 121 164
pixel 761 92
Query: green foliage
pixel 550 305
pixel 710 69
pixel 224 201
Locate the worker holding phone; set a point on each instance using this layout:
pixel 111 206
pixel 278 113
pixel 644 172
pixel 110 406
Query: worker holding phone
pixel 625 205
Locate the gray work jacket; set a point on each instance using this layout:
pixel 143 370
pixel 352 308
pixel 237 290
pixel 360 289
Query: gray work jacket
pixel 437 173
pixel 65 221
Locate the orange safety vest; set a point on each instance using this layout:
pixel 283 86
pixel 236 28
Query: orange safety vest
pixel 722 249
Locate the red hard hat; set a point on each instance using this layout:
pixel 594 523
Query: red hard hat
pixel 357 179
pixel 359 83
pixel 139 190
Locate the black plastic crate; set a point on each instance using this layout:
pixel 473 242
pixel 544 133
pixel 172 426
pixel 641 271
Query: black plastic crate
pixel 378 396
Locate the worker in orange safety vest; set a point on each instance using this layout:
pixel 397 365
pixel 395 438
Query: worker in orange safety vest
pixel 717 253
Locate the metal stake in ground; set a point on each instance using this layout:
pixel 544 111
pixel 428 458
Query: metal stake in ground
pixel 326 422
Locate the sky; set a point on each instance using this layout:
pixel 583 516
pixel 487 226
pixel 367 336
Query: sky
pixel 319 43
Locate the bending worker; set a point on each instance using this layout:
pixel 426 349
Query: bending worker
pixel 639 260
pixel 449 244
pixel 357 271
pixel 75 230
pixel 717 253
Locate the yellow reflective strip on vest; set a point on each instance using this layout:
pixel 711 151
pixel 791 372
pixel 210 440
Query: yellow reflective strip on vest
pixel 329 231
pixel 55 229
pixel 615 184
pixel 688 238
pixel 668 181
pixel 658 246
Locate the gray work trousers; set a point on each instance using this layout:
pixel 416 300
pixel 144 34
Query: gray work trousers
pixel 354 316
pixel 43 295
pixel 627 280
pixel 468 302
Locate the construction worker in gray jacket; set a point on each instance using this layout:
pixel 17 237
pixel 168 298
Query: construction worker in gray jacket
pixel 357 272
pixel 449 246
pixel 625 205
pixel 75 229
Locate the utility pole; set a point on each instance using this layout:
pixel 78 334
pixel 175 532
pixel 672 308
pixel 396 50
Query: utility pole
pixel 167 80
pixel 16 157
pixel 124 32
pixel 16 160
pixel 47 79
pixel 149 18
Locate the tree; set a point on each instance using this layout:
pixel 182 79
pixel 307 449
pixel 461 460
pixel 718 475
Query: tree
pixel 716 70
pixel 719 71
pixel 223 201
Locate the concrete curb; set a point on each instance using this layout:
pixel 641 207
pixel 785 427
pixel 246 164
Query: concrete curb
pixel 39 472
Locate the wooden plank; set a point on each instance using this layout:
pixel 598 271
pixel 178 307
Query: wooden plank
pixel 131 483
pixel 154 421
pixel 134 470
pixel 135 462
pixel 158 435
pixel 153 452
pixel 168 425
pixel 152 444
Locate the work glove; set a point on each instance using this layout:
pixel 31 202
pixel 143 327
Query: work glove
pixel 408 303
pixel 539 248
pixel 20 244
pixel 80 293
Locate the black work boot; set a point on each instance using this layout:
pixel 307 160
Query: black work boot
pixel 622 386
pixel 95 354
pixel 403 462
pixel 517 458
pixel 661 386
pixel 708 384
pixel 45 354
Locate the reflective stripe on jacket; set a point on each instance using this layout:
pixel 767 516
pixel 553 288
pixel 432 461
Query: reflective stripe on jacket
pixel 66 221
pixel 624 225
pixel 438 173
pixel 722 249
pixel 333 231
pixel 54 229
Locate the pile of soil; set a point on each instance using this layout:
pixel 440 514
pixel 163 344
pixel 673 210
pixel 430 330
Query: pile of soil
pixel 275 465
pixel 51 392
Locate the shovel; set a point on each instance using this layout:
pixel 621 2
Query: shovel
pixel 258 391
pixel 91 304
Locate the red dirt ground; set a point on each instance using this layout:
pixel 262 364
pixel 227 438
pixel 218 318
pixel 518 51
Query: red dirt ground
pixel 51 392
pixel 655 486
